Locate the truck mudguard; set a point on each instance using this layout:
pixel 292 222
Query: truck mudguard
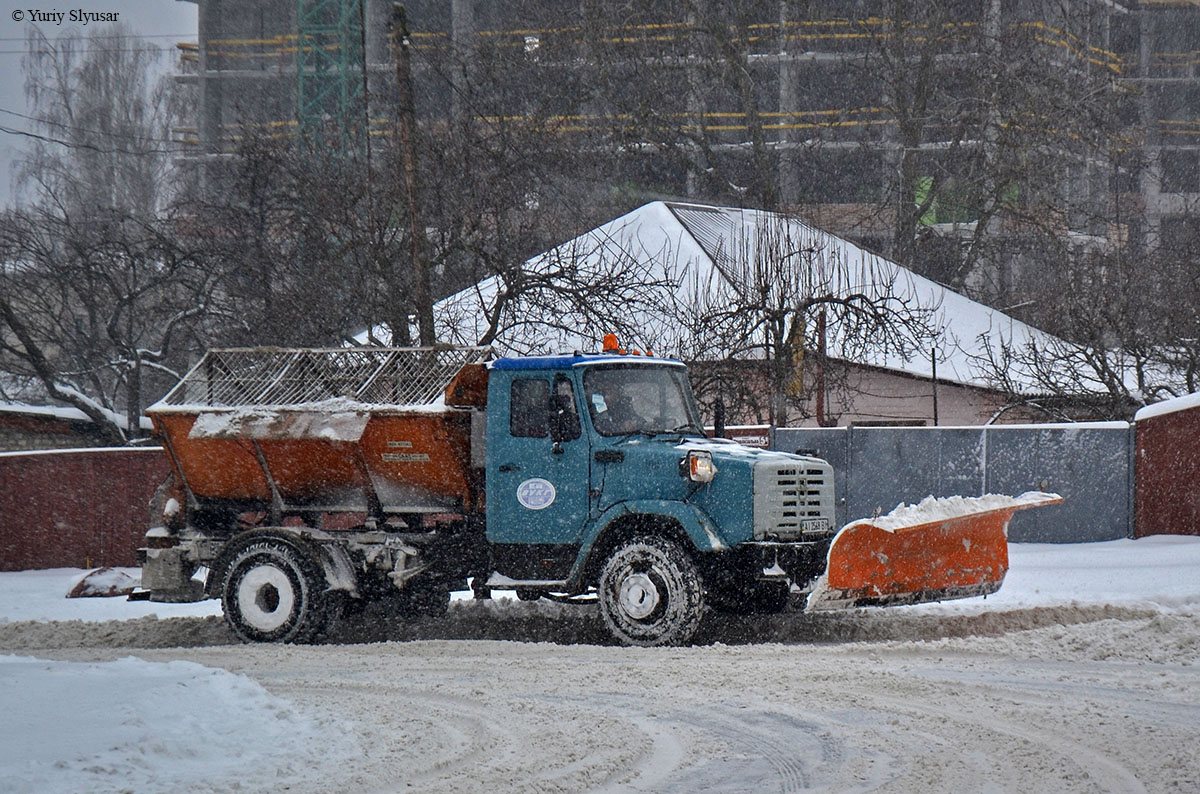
pixel 695 523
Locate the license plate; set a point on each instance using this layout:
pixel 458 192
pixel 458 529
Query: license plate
pixel 814 525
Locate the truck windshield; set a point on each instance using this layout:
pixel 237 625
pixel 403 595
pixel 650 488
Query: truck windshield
pixel 640 399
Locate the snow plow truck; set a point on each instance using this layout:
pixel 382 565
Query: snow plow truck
pixel 309 481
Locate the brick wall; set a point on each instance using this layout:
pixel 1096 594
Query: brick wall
pixel 76 508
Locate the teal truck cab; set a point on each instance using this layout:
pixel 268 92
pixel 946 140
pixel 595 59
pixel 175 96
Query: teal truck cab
pixel 309 481
pixel 600 477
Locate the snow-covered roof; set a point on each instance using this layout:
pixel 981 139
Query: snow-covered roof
pixel 48 411
pixel 1183 403
pixel 706 253
pixel 67 413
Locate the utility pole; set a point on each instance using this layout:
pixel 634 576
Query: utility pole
pixel 933 360
pixel 419 245
pixel 822 361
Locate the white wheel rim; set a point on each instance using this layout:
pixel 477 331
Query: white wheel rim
pixel 265 598
pixel 638 596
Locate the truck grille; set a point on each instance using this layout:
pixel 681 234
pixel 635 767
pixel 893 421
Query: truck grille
pixel 793 500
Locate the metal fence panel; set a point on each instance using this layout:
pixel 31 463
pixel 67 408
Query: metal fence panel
pixel 1089 464
pixel 904 465
pixel 274 377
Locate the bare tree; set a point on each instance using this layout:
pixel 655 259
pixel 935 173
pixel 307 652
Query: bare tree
pixel 93 313
pixel 304 258
pixel 685 96
pixel 503 170
pixel 96 293
pixel 784 293
pixel 570 296
pixel 1172 318
pixel 1123 311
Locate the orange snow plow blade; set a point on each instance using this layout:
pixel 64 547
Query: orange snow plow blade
pixel 938 550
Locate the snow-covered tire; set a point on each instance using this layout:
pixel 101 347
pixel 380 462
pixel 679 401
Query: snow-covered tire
pixel 651 593
pixel 274 590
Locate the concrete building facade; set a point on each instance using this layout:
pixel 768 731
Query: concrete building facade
pixel 261 62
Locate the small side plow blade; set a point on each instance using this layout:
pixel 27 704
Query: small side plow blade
pixel 938 550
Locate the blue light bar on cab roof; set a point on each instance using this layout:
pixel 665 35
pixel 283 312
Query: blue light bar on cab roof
pixel 564 361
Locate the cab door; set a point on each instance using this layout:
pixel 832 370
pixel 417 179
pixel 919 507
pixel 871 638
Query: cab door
pixel 537 485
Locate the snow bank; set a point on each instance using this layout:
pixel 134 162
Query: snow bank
pixel 1059 634
pixel 1160 572
pixel 141 726
pixel 41 595
pixel 103 583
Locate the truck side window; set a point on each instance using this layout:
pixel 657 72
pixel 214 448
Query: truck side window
pixel 562 410
pixel 528 416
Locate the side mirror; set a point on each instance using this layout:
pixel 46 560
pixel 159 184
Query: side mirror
pixel 564 422
pixel 719 418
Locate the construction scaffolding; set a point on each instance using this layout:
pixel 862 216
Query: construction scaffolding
pixel 331 107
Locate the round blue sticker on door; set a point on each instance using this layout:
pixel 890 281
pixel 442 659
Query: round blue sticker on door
pixel 536 494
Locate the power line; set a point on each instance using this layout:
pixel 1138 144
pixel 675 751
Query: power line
pixel 88 146
pixel 89 37
pixel 69 127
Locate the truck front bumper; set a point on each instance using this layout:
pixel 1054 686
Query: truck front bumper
pixel 800 562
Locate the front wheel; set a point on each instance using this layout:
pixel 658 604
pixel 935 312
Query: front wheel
pixel 275 592
pixel 651 593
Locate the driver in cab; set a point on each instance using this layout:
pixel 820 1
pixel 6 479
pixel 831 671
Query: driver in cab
pixel 616 413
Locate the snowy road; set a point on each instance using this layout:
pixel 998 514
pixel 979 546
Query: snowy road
pixel 1032 694
pixel 975 714
pixel 1073 699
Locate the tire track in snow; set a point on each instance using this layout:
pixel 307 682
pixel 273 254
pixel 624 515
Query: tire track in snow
pixel 1115 777
pixel 455 739
pixel 737 747
pixel 1077 699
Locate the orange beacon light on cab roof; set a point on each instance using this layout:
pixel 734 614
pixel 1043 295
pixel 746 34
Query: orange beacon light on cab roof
pixel 610 344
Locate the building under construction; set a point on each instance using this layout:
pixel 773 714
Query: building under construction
pixel 830 139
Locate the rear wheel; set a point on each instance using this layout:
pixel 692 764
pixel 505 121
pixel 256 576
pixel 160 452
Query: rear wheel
pixel 651 593
pixel 274 591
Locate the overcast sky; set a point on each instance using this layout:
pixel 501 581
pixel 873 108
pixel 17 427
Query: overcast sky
pixel 162 22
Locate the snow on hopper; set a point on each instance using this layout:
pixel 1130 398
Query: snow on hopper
pixel 938 550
